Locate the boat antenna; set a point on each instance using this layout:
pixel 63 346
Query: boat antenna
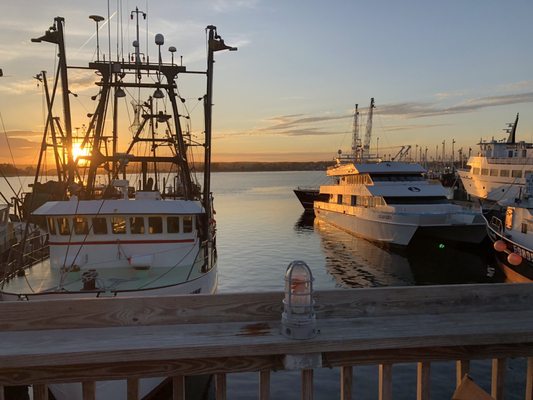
pixel 97 19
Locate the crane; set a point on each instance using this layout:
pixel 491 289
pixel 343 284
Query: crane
pixel 368 134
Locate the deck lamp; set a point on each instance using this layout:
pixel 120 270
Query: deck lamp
pixel 298 320
pixel 158 94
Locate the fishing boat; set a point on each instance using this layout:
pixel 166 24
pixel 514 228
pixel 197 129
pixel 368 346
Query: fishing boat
pixel 510 229
pixel 391 201
pixel 123 218
pixel 497 172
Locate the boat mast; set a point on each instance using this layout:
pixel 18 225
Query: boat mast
pixel 55 35
pixel 368 134
pixel 512 131
pixel 356 140
pixel 215 43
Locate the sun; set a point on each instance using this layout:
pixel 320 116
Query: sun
pixel 78 152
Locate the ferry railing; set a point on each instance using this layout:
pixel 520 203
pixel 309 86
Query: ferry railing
pixel 91 340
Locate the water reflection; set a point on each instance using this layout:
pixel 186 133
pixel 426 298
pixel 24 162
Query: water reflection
pixel 355 262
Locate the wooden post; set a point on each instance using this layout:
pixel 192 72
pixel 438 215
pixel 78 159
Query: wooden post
pixel 498 378
pixel 40 392
pixel 264 384
pixel 89 390
pixel 178 387
pixel 423 381
pixel 462 367
pixel 133 389
pixel 307 384
pixel 220 386
pixel 346 383
pixel 529 379
pixel 2 397
pixel 385 381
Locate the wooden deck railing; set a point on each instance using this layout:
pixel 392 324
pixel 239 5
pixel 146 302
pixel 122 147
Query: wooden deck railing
pixel 87 340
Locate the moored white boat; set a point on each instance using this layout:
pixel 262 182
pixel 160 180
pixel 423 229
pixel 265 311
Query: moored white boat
pixel 122 220
pixel 497 172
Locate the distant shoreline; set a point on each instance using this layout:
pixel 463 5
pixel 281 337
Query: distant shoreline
pixel 9 170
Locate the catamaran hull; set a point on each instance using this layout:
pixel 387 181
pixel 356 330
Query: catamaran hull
pixel 397 230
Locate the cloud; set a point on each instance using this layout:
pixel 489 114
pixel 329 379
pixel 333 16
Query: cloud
pixel 223 6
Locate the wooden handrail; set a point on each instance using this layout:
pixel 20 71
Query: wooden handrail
pixel 86 340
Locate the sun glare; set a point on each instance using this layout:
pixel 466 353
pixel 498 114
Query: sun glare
pixel 78 152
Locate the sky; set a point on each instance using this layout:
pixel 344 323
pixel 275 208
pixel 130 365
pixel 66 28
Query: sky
pixel 440 71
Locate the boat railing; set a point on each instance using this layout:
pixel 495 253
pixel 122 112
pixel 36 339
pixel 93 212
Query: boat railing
pixel 26 253
pixel 496 224
pixel 510 160
pixel 181 336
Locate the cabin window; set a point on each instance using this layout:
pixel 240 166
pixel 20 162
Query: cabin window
pixel 475 171
pixel 526 173
pixel 484 171
pixel 51 226
pixel 504 172
pixel 510 153
pixel 353 201
pixel 173 224
pixel 524 153
pixel 524 228
pixel 516 173
pixel 137 225
pixel 99 226
pixel 187 224
pixel 339 199
pixel 64 227
pixel 81 226
pixel 118 225
pixel 155 225
pixel 493 172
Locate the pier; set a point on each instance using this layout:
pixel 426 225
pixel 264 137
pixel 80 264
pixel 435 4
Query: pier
pixel 87 340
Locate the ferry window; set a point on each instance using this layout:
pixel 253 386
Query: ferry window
pixel 155 225
pixel 187 224
pixel 118 225
pixel 137 225
pixel 510 153
pixel 64 227
pixel 51 226
pixel 339 199
pixel 484 171
pixel 475 171
pixel 516 173
pixel 524 228
pixel 99 226
pixel 504 172
pixel 526 173
pixel 353 201
pixel 173 224
pixel 524 153
pixel 81 227
pixel 493 172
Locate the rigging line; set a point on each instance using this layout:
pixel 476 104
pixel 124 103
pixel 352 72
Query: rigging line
pixel 9 147
pixel 100 27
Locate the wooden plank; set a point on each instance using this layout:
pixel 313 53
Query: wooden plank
pixel 385 382
pixel 498 378
pixel 178 387
pixel 133 389
pixel 307 384
pixel 529 379
pixel 462 367
pixel 40 392
pixel 265 306
pixel 66 346
pixel 220 386
pixel 264 384
pixel 88 389
pixel 423 381
pixel 346 383
pixel 2 396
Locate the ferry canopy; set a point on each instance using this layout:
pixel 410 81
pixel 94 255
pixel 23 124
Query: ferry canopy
pixel 385 167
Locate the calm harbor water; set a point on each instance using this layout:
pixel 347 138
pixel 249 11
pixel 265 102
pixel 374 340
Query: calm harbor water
pixel 262 228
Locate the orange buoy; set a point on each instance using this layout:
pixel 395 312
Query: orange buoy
pixel 500 245
pixel 514 259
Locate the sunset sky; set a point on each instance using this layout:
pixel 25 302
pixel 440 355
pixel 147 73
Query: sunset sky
pixel 438 70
